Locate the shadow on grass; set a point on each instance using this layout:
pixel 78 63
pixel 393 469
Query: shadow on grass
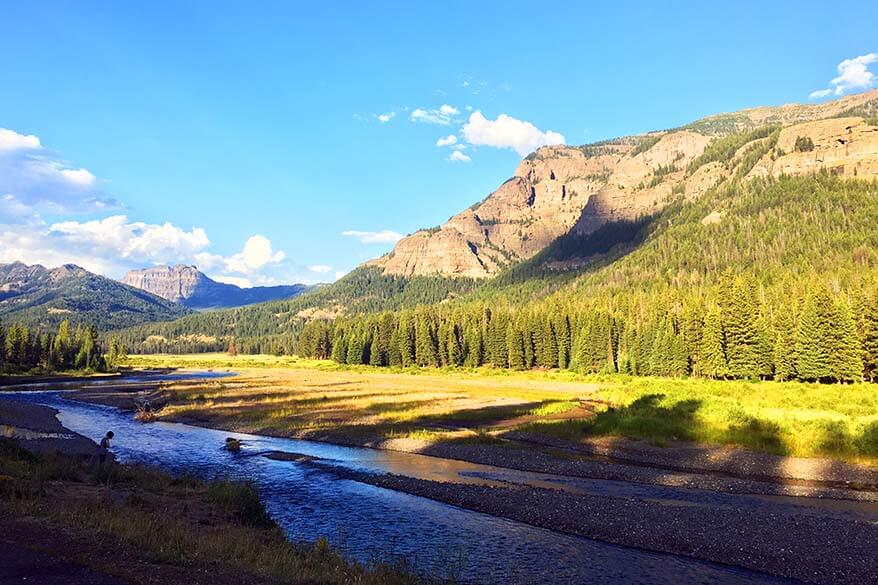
pixel 647 418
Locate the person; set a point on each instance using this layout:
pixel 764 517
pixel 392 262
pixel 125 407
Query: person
pixel 104 448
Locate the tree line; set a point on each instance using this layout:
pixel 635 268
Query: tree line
pixel 70 347
pixel 736 330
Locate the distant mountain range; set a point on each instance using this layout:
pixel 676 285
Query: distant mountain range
pixel 192 288
pixel 40 297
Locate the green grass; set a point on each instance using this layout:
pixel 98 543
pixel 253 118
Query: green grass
pixel 176 520
pixel 809 420
pixel 789 418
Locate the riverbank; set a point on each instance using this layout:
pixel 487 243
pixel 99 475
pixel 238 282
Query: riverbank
pixel 68 520
pixel 728 527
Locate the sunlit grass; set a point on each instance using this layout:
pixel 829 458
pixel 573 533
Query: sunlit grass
pixel 289 395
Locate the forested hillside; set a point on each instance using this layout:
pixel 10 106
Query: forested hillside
pixel 270 327
pixel 42 298
pixel 773 278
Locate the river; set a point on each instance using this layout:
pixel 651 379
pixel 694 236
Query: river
pixel 371 522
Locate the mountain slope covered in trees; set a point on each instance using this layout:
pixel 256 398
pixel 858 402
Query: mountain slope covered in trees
pixel 42 298
pixel 773 278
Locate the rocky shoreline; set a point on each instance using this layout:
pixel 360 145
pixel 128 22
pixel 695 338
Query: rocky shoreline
pixel 806 548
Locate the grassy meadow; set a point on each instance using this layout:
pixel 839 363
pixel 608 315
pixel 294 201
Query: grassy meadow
pixel 291 396
pixel 131 521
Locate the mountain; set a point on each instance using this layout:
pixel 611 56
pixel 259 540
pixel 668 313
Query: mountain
pixel 562 189
pixel 784 194
pixel 190 287
pixel 42 297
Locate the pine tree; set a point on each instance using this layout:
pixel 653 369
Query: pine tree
pixel 562 331
pixel 739 324
pixel 814 337
pixel 712 361
pixel 454 349
pixel 764 345
pixel 514 347
pixel 426 351
pixel 375 358
pixel 869 333
pixel 847 361
pixel 784 348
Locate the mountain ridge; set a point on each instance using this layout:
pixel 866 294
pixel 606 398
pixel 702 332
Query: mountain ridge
pixel 559 189
pixel 43 297
pixel 192 288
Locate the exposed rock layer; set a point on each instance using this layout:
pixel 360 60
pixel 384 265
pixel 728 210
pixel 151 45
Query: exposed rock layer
pixel 562 188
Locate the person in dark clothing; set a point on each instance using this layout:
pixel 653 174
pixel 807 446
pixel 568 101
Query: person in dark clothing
pixel 104 448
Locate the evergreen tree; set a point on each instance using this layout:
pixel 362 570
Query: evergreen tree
pixel 712 356
pixel 514 347
pixel 784 348
pixel 847 360
pixel 739 325
pixel 814 337
pixel 869 333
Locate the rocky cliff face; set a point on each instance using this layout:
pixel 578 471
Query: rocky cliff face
pixel 175 283
pixel 190 287
pixel 562 188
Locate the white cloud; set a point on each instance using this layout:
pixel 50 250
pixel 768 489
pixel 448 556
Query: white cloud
pixel 458 156
pixel 853 74
pixel 320 268
pixel 39 179
pixel 10 140
pixel 138 241
pixel 385 118
pixel 256 254
pixel 381 237
pixel 443 115
pixel 507 132
pixel 447 141
pixel 339 274
pixel 236 280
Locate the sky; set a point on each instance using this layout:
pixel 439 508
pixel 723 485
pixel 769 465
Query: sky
pixel 278 142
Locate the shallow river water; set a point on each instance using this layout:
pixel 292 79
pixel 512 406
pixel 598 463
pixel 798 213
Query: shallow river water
pixel 369 522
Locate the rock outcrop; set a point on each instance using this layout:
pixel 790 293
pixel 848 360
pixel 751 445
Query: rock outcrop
pixel 559 189
pixel 192 288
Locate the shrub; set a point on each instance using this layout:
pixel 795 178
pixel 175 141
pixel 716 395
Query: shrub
pixel 804 144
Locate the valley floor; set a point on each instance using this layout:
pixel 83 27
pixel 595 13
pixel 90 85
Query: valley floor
pixel 620 481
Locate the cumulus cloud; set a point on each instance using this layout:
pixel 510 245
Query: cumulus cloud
pixel 10 140
pixel 39 179
pixel 256 254
pixel 385 118
pixel 443 115
pixel 447 141
pixel 139 241
pixel 853 75
pixel 507 132
pixel 458 156
pixel 320 268
pixel 380 237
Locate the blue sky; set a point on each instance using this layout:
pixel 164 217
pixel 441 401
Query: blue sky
pixel 142 133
